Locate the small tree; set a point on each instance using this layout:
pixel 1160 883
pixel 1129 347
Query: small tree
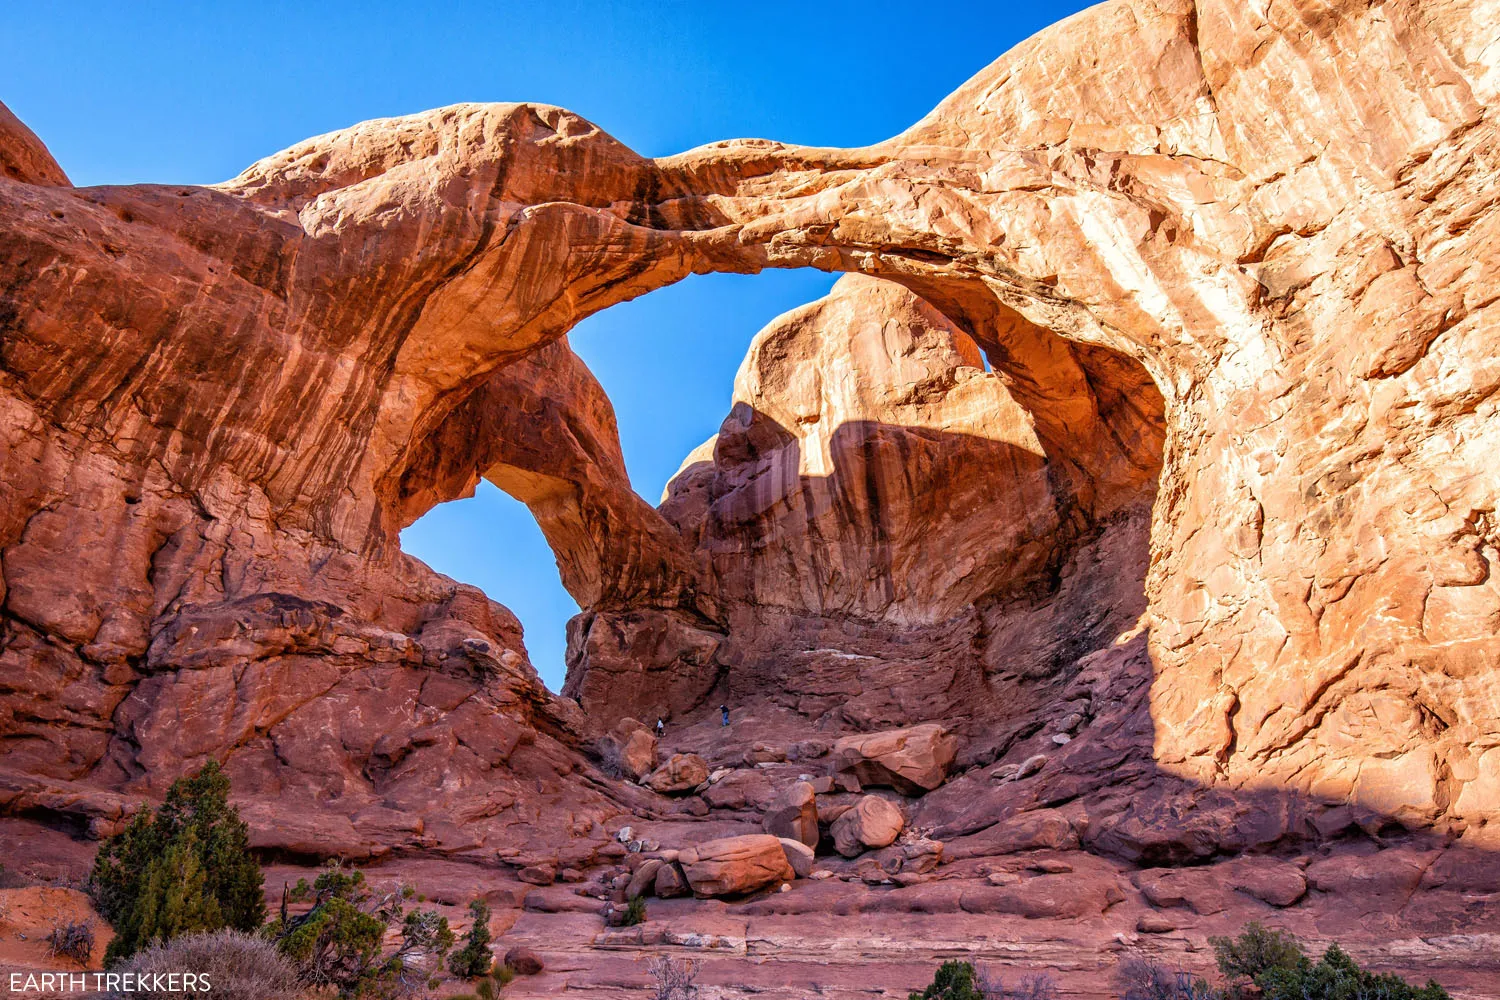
pixel 336 941
pixel 473 959
pixel 1271 964
pixel 953 981
pixel 1256 951
pixel 1337 977
pixel 185 868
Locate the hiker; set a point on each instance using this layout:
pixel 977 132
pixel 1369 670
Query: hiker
pixel 724 714
pixel 661 728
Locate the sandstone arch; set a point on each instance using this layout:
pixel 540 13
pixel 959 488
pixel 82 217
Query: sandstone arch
pixel 1311 299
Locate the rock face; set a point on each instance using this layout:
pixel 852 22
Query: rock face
pixel 1153 439
pixel 735 865
pixel 911 761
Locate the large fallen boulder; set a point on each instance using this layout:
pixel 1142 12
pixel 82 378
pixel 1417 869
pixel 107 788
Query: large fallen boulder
pixel 1036 830
pixel 912 760
pixel 870 822
pixel 635 749
pixel 794 815
pixel 682 772
pixel 740 789
pixel 1055 897
pixel 734 866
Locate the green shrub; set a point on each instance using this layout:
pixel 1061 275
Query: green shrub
pixel 1254 953
pixel 635 911
pixel 953 981
pixel 500 977
pixel 1274 963
pixel 473 959
pixel 336 941
pixel 185 868
pixel 1337 977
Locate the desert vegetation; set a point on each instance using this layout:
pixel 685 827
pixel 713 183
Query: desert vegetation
pixel 1258 964
pixel 183 891
pixel 184 868
pixel 240 966
pixel 72 940
pixel 673 979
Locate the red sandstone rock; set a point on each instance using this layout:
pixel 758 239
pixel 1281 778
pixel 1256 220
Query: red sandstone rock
pixel 670 881
pixel 1045 897
pixel 909 760
pixel 741 789
pixel 682 772
pixel 633 746
pixel 643 879
pixel 798 855
pixel 871 822
pixel 735 865
pixel 1248 263
pixel 524 961
pixel 794 814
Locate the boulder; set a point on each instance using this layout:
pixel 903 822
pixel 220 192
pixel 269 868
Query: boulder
pixel 871 822
pixel 1057 897
pixel 794 814
pixel 1031 765
pixel 538 874
pixel 1201 890
pixel 643 881
pixel 798 855
pixel 808 750
pixel 764 753
pixel 682 773
pixel 733 866
pixel 1275 883
pixel 523 961
pixel 637 750
pixel 920 856
pixel 670 881
pixel 740 789
pixel 912 760
pixel 1037 829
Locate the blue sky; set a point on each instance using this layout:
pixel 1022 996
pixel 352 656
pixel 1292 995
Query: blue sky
pixel 192 93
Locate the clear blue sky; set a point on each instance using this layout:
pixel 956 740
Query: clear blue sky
pixel 191 93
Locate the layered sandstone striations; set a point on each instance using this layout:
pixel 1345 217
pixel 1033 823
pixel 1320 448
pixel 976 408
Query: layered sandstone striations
pixel 1202 564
